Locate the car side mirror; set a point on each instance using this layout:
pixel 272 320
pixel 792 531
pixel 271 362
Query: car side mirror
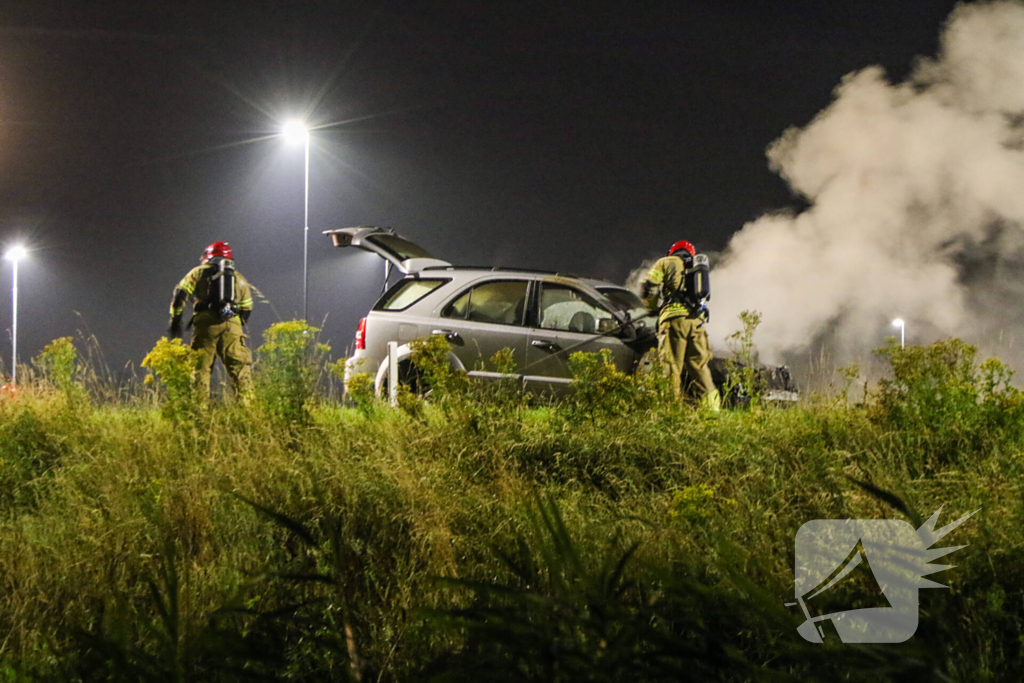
pixel 607 325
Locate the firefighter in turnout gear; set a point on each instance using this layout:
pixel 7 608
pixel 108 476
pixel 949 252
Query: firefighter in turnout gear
pixel 222 303
pixel 682 335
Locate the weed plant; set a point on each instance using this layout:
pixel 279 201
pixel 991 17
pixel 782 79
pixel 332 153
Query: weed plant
pixel 744 384
pixel 291 363
pixel 58 363
pixel 943 405
pixel 174 366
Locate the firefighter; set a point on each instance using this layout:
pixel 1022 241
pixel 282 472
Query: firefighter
pixel 222 303
pixel 682 335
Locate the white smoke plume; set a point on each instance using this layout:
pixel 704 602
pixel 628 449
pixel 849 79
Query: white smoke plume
pixel 916 207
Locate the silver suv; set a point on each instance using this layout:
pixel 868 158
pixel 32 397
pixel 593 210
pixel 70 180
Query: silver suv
pixel 542 317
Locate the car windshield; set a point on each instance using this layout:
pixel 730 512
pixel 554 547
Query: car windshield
pixel 400 248
pixel 623 298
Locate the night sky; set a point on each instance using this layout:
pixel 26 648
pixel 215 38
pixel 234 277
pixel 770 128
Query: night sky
pixel 575 136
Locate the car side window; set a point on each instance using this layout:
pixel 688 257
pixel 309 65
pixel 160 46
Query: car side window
pixel 405 293
pixel 567 309
pixel 502 302
pixel 457 309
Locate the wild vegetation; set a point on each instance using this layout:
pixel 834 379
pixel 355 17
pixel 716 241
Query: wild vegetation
pixel 478 534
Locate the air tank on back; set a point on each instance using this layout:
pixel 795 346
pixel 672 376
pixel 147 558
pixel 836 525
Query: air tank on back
pixel 698 281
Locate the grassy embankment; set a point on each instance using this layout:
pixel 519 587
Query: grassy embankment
pixel 616 536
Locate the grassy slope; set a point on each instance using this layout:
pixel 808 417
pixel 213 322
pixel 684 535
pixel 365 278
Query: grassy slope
pixel 106 512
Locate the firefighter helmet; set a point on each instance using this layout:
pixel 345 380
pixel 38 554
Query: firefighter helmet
pixel 684 245
pixel 221 249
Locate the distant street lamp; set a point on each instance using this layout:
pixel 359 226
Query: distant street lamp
pixel 296 131
pixel 898 322
pixel 15 254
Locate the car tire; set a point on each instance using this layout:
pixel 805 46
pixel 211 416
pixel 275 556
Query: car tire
pixel 409 375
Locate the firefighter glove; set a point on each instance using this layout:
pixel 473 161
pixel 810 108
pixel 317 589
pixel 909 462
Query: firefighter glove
pixel 174 329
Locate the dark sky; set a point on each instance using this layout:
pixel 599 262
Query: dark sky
pixel 577 136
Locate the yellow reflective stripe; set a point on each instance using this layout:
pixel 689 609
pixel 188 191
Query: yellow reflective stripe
pixel 177 311
pixel 189 282
pixel 657 276
pixel 244 301
pixel 673 310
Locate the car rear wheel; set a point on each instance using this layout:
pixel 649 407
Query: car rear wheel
pixel 409 375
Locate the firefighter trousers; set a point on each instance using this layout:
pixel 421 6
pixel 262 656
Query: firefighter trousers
pixel 684 349
pixel 225 340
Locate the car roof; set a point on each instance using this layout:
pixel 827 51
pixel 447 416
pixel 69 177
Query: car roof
pixel 604 284
pixel 496 269
pixel 484 270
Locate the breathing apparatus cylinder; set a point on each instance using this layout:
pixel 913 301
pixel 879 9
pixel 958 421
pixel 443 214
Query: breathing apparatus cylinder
pixel 698 280
pixel 224 289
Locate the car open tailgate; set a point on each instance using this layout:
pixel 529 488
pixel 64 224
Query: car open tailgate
pixel 407 257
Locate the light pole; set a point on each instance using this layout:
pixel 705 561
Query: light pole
pixel 296 131
pixel 14 254
pixel 898 322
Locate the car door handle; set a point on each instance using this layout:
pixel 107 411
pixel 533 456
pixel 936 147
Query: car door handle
pixel 545 345
pixel 448 334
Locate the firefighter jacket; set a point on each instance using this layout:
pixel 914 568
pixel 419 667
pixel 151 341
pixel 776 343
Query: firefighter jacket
pixel 198 284
pixel 667 279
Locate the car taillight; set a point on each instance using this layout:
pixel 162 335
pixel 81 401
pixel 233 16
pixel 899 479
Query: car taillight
pixel 361 335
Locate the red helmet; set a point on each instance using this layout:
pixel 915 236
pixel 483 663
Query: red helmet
pixel 684 245
pixel 222 249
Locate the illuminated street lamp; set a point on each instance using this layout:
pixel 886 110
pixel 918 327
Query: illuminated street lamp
pixel 898 322
pixel 296 131
pixel 15 254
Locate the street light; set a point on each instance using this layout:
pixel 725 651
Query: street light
pixel 15 254
pixel 898 322
pixel 296 131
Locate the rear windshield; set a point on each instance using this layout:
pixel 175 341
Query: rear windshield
pixel 623 298
pixel 398 247
pixel 407 292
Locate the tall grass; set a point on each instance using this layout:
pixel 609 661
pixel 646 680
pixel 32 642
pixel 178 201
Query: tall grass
pixel 481 535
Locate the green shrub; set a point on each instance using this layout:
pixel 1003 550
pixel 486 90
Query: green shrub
pixel 432 371
pixel 288 368
pixel 600 389
pixel 174 366
pixel 940 400
pixel 361 390
pixel 696 503
pixel 476 402
pixel 744 383
pixel 58 363
pixel 28 450
pixel 850 373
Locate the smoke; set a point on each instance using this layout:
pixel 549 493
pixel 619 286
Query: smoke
pixel 915 195
pixel 635 280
